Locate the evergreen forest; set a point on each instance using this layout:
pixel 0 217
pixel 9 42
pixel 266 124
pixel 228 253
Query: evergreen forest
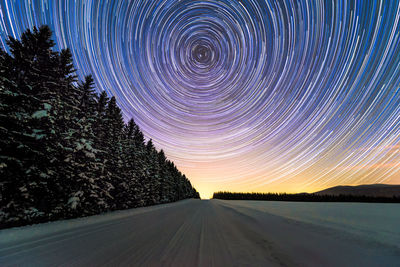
pixel 65 150
pixel 303 197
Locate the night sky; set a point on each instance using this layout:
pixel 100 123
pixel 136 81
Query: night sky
pixel 244 95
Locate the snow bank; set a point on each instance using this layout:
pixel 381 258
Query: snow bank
pixel 18 234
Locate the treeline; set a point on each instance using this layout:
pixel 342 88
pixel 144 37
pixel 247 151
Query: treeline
pixel 303 197
pixel 65 151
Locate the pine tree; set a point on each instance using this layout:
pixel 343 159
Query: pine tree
pixel 163 177
pixel 85 194
pixel 32 79
pixel 152 171
pixel 114 125
pixel 130 193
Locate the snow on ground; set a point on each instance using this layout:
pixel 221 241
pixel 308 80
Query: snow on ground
pixel 32 232
pixel 214 233
pixel 375 221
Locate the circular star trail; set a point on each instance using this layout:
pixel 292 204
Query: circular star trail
pixel 244 94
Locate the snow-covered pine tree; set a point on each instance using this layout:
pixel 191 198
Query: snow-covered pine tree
pixel 129 191
pixel 85 194
pixel 101 144
pixel 165 184
pixel 113 145
pixel 31 71
pixel 141 167
pixel 12 116
pixel 152 172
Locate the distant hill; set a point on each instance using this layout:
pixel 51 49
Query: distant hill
pixel 373 190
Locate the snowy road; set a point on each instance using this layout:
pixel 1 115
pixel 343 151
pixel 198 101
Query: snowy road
pixel 214 233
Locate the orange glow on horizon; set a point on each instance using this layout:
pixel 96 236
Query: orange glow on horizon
pixel 295 184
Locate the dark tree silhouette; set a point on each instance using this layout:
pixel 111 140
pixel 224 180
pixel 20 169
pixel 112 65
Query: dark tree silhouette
pixel 64 150
pixel 303 197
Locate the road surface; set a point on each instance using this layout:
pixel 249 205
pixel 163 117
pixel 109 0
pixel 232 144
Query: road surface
pixel 197 233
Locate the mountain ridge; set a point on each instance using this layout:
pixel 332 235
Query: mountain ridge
pixel 372 190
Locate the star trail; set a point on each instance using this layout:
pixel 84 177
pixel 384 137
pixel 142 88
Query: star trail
pixel 247 95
